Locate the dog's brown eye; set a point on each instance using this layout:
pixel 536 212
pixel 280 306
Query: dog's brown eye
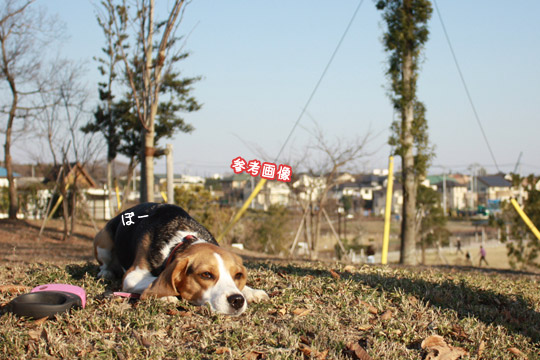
pixel 207 275
pixel 238 276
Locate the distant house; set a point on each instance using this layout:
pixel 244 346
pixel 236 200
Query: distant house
pixel 273 193
pixel 308 187
pixel 236 181
pixel 344 177
pixel 379 199
pixel 97 201
pixel 4 183
pixel 492 189
pixel 361 190
pixel 182 181
pixel 3 177
pixel 76 173
pixel 233 188
pixel 237 188
pixel 457 196
pixel 456 190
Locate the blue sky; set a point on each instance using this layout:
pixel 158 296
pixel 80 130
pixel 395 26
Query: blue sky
pixel 260 60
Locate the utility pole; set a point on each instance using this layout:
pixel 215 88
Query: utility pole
pixel 170 174
pixel 517 171
pixel 444 191
pixel 473 187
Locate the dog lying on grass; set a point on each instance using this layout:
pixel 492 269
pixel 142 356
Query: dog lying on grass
pixel 163 252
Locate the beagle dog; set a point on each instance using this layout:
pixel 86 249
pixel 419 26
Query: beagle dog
pixel 163 252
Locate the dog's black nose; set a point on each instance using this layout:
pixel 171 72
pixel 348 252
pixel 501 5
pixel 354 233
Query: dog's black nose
pixel 236 301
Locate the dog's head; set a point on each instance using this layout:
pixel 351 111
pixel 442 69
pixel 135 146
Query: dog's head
pixel 204 273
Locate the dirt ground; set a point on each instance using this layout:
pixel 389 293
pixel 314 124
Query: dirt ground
pixel 20 242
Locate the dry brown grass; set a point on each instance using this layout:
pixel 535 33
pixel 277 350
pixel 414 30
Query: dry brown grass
pixel 315 309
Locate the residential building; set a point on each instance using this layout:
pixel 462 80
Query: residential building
pixel 308 187
pixel 273 193
pixel 181 181
pixel 492 189
pixel 379 199
pixel 455 196
pixel 362 191
pixel 3 177
pixel 233 188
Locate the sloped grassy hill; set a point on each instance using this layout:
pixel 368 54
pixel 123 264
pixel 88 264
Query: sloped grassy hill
pixel 321 311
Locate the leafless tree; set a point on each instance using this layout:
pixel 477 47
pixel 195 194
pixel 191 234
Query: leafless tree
pixel 325 160
pixel 63 113
pixel 108 67
pixel 24 33
pixel 150 64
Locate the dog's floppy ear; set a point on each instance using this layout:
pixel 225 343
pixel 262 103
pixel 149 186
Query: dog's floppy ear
pixel 166 283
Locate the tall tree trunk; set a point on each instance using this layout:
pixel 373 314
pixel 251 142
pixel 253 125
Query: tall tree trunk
pixel 312 228
pixel 317 234
pixel 127 189
pixel 408 225
pixel 148 102
pixel 74 192
pixel 143 197
pixel 110 183
pixel 12 189
pixel 149 161
pixel 65 208
pixel 423 244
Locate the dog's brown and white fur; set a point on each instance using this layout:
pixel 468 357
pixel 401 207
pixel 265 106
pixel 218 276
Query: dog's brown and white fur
pixel 163 252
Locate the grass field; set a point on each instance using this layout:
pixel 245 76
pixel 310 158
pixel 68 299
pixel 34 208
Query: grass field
pixel 316 310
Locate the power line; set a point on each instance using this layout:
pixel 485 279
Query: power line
pixel 320 79
pixel 465 85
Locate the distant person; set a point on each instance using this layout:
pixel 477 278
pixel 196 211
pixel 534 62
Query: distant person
pixel 468 258
pixel 482 256
pixel 458 246
pixel 370 252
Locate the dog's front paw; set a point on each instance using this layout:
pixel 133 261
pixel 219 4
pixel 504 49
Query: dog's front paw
pixel 254 295
pixel 169 299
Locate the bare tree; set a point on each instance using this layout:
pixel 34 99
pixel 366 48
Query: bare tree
pixel 145 71
pixel 59 125
pixel 105 121
pixel 328 158
pixel 63 111
pixel 24 32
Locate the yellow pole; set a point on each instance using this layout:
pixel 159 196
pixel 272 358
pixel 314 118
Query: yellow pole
pixel 388 210
pixel 118 203
pixel 239 214
pixel 525 218
pixel 60 198
pixel 55 207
